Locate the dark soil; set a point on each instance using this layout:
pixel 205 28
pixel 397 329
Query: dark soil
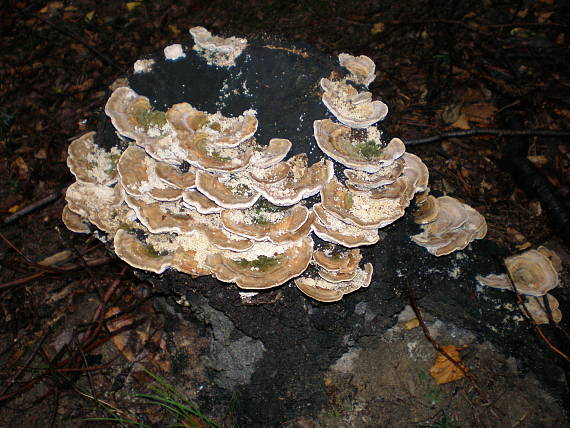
pixel 441 65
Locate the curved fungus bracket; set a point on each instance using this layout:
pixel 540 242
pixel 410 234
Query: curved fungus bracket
pixel 362 68
pixel 217 50
pixel 263 223
pixel 364 180
pixel 289 182
pixel 74 221
pixel 454 227
pixel 264 266
pixel 91 164
pixel 234 192
pixel 326 291
pixel 352 108
pixel 363 151
pixel 360 208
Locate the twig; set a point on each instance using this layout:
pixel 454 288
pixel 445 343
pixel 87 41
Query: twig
pixel 35 206
pixel 488 131
pixel 28 361
pixel 64 268
pixel 470 376
pixel 528 315
pixel 81 40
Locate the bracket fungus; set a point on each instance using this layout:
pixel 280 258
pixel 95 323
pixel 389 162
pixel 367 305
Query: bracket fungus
pixel 362 69
pixel 202 188
pixel 449 225
pixel 220 51
pixel 534 273
pixel 350 107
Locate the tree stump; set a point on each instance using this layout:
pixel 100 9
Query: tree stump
pixel 270 350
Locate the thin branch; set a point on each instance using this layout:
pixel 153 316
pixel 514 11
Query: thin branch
pixel 488 131
pixel 64 268
pixel 34 206
pixel 470 376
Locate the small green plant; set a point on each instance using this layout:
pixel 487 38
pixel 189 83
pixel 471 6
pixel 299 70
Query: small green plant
pixel 261 263
pixel 444 422
pixel 171 401
pixel 432 392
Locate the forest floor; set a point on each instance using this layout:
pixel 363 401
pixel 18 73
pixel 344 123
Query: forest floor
pixel 441 66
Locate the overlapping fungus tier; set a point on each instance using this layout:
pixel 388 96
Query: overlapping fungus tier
pixel 194 191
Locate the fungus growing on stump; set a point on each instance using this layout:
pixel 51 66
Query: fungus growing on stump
pixel 204 180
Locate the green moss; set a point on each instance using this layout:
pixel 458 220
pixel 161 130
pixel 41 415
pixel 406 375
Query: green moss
pixel 261 263
pixel 127 228
pixel 263 205
pixel 369 150
pixel 216 126
pixel 241 190
pixel 260 219
pixel 150 118
pixel 152 252
pixel 217 156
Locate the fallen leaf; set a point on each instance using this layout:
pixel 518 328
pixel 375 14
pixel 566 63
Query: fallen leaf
pixel 23 170
pixel 51 7
pixel 56 258
pixel 15 208
pixel 412 324
pixel 539 161
pixel 89 15
pixel 462 122
pixel 378 28
pixel 173 28
pixel 132 5
pixel 443 370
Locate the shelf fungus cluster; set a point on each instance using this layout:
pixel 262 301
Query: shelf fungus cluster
pixel 448 225
pixel 533 274
pixel 196 192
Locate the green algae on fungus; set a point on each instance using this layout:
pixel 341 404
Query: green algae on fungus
pixel 369 150
pixel 260 263
pixel 150 118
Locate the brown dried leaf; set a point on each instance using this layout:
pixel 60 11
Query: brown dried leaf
pixel 443 370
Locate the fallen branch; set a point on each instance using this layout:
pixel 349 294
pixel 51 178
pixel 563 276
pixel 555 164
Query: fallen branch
pixel 488 131
pixel 63 269
pixel 34 206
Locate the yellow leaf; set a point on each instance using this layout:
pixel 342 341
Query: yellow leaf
pixel 412 324
pixel 173 28
pixel 378 28
pixel 462 122
pixel 52 6
pixel 132 5
pixel 21 165
pixel 443 370
pixel 15 208
pixel 89 15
